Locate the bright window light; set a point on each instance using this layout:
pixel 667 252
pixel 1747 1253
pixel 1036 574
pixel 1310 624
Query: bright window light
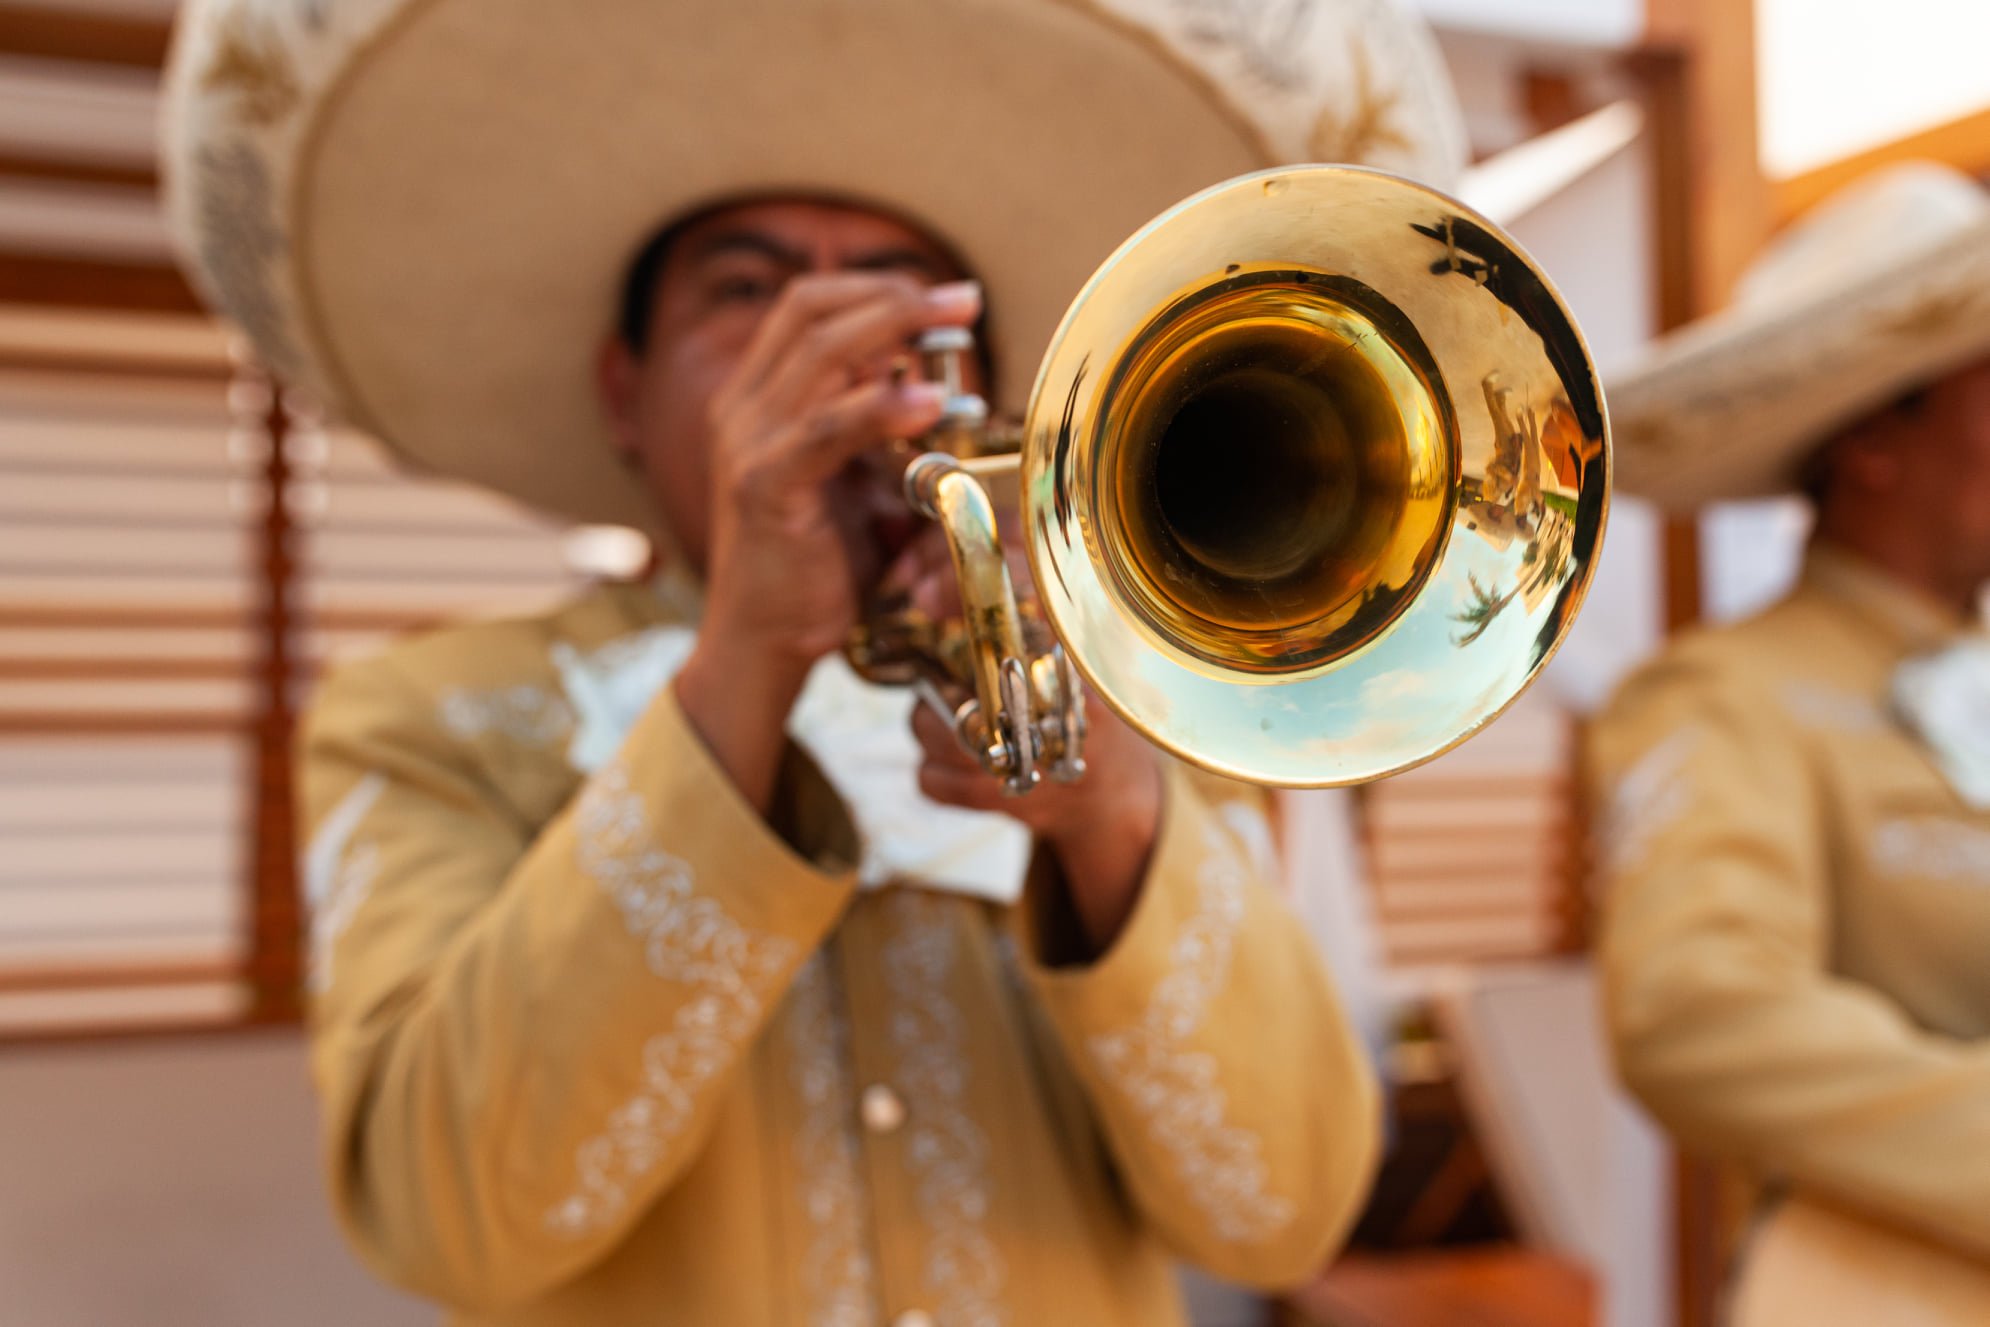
pixel 1840 76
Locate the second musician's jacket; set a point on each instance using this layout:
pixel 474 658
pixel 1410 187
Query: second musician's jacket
pixel 1796 937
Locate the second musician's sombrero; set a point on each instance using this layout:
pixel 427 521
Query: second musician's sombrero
pixel 1882 289
pixel 423 209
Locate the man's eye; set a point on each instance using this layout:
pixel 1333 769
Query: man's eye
pixel 745 290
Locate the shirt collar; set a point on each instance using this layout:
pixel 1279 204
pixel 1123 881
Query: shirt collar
pixel 1909 620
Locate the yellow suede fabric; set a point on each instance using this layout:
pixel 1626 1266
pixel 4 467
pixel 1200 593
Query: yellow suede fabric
pixel 1796 936
pixel 618 1051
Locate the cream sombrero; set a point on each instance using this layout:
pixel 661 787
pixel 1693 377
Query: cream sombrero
pixel 1883 288
pixel 422 209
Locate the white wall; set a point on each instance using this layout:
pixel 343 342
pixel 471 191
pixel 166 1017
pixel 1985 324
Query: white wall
pixel 172 1182
pixel 1839 76
pixel 1610 23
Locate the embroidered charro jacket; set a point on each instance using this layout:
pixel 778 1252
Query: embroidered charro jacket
pixel 1796 936
pixel 608 1048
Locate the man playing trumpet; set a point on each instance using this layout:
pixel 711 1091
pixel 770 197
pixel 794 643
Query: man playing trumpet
pixel 660 965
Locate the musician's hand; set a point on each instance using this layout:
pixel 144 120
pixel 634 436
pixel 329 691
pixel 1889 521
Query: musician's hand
pixel 784 563
pixel 808 398
pixel 1102 828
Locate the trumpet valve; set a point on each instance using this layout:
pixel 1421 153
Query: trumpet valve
pixel 943 351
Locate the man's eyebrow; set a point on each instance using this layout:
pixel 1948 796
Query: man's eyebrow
pixel 749 242
pixel 901 260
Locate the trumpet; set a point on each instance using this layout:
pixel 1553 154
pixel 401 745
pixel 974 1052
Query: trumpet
pixel 1312 483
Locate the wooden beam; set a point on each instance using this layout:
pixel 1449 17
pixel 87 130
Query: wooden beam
pixel 42 348
pixel 276 921
pixel 110 723
pixel 82 1036
pixel 1699 75
pixel 1712 200
pixel 1551 99
pixel 97 976
pixel 187 368
pixel 57 34
pixel 1682 574
pixel 1661 76
pixel 70 171
pixel 1714 211
pixel 122 670
pixel 79 284
pixel 1671 26
pixel 139 615
pixel 68 616
pixel 1963 143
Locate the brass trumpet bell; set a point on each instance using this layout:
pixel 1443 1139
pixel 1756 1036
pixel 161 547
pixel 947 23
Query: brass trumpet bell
pixel 1314 476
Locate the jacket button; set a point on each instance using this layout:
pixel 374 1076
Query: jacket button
pixel 883 1110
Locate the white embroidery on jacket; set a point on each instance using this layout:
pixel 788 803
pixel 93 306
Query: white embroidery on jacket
pixel 1815 705
pixel 339 874
pixel 726 971
pixel 524 713
pixel 944 1148
pixel 1939 849
pixel 836 1274
pixel 1649 799
pixel 1175 1088
pixel 1253 829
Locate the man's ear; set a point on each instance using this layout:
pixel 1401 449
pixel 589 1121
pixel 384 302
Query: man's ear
pixel 617 379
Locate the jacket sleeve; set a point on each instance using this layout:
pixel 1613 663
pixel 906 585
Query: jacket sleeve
pixel 1235 1098
pixel 521 1038
pixel 1725 1018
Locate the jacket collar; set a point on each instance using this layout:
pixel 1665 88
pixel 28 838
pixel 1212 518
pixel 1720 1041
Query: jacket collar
pixel 1903 618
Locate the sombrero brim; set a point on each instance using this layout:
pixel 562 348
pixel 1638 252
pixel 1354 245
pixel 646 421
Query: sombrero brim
pixel 425 207
pixel 1731 407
